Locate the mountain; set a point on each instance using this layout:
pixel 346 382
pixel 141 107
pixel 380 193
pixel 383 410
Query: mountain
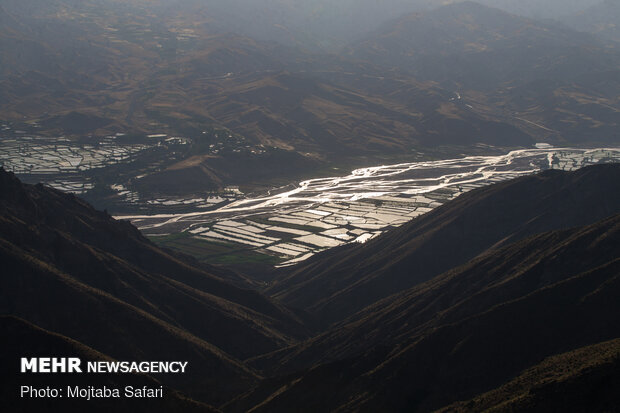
pixel 468 331
pixel 23 339
pixel 312 24
pixel 342 281
pixel 76 271
pixel 443 79
pixel 550 9
pixel 447 78
pixel 479 47
pixel 312 121
pixel 234 82
pixel 602 19
pixel 516 282
pixel 539 76
pixel 138 69
pixel 317 25
pixel 572 382
pixel 588 105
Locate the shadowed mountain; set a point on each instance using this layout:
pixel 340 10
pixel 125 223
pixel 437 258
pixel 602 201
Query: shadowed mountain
pixel 463 333
pixel 578 381
pixel 78 272
pixel 23 339
pixel 342 281
pixel 518 288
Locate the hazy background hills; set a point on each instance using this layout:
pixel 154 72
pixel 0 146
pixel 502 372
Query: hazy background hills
pixel 318 24
pixel 326 83
pixel 601 19
pixel 477 47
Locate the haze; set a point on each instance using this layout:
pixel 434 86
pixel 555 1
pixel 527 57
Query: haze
pixel 313 24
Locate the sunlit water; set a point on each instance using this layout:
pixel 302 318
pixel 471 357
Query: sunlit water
pixel 402 179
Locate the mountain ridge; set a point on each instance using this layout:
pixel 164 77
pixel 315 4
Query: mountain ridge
pixel 539 290
pixel 485 322
pixel 114 291
pixel 24 339
pixel 350 278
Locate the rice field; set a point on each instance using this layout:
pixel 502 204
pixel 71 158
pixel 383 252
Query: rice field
pixel 60 162
pixel 292 226
pixel 70 166
pixel 330 212
pixel 29 155
pixel 298 235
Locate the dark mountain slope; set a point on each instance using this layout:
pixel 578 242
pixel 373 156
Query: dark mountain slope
pixel 76 271
pixel 494 277
pixel 33 290
pixel 342 281
pixel 114 257
pixel 582 380
pixel 463 333
pixel 23 339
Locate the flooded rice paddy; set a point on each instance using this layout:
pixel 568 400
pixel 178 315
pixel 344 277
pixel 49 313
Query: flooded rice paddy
pixel 60 161
pixel 294 222
pixel 323 213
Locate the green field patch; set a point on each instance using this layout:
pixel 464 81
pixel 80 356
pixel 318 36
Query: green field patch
pixel 214 252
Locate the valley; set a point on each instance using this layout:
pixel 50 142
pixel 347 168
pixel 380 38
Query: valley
pixel 108 170
pixel 315 206
pixel 478 280
pixel 282 226
pixel 318 214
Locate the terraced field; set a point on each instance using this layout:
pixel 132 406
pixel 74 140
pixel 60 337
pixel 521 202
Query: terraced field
pixel 289 224
pixel 323 213
pixel 59 161
pixel 110 165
